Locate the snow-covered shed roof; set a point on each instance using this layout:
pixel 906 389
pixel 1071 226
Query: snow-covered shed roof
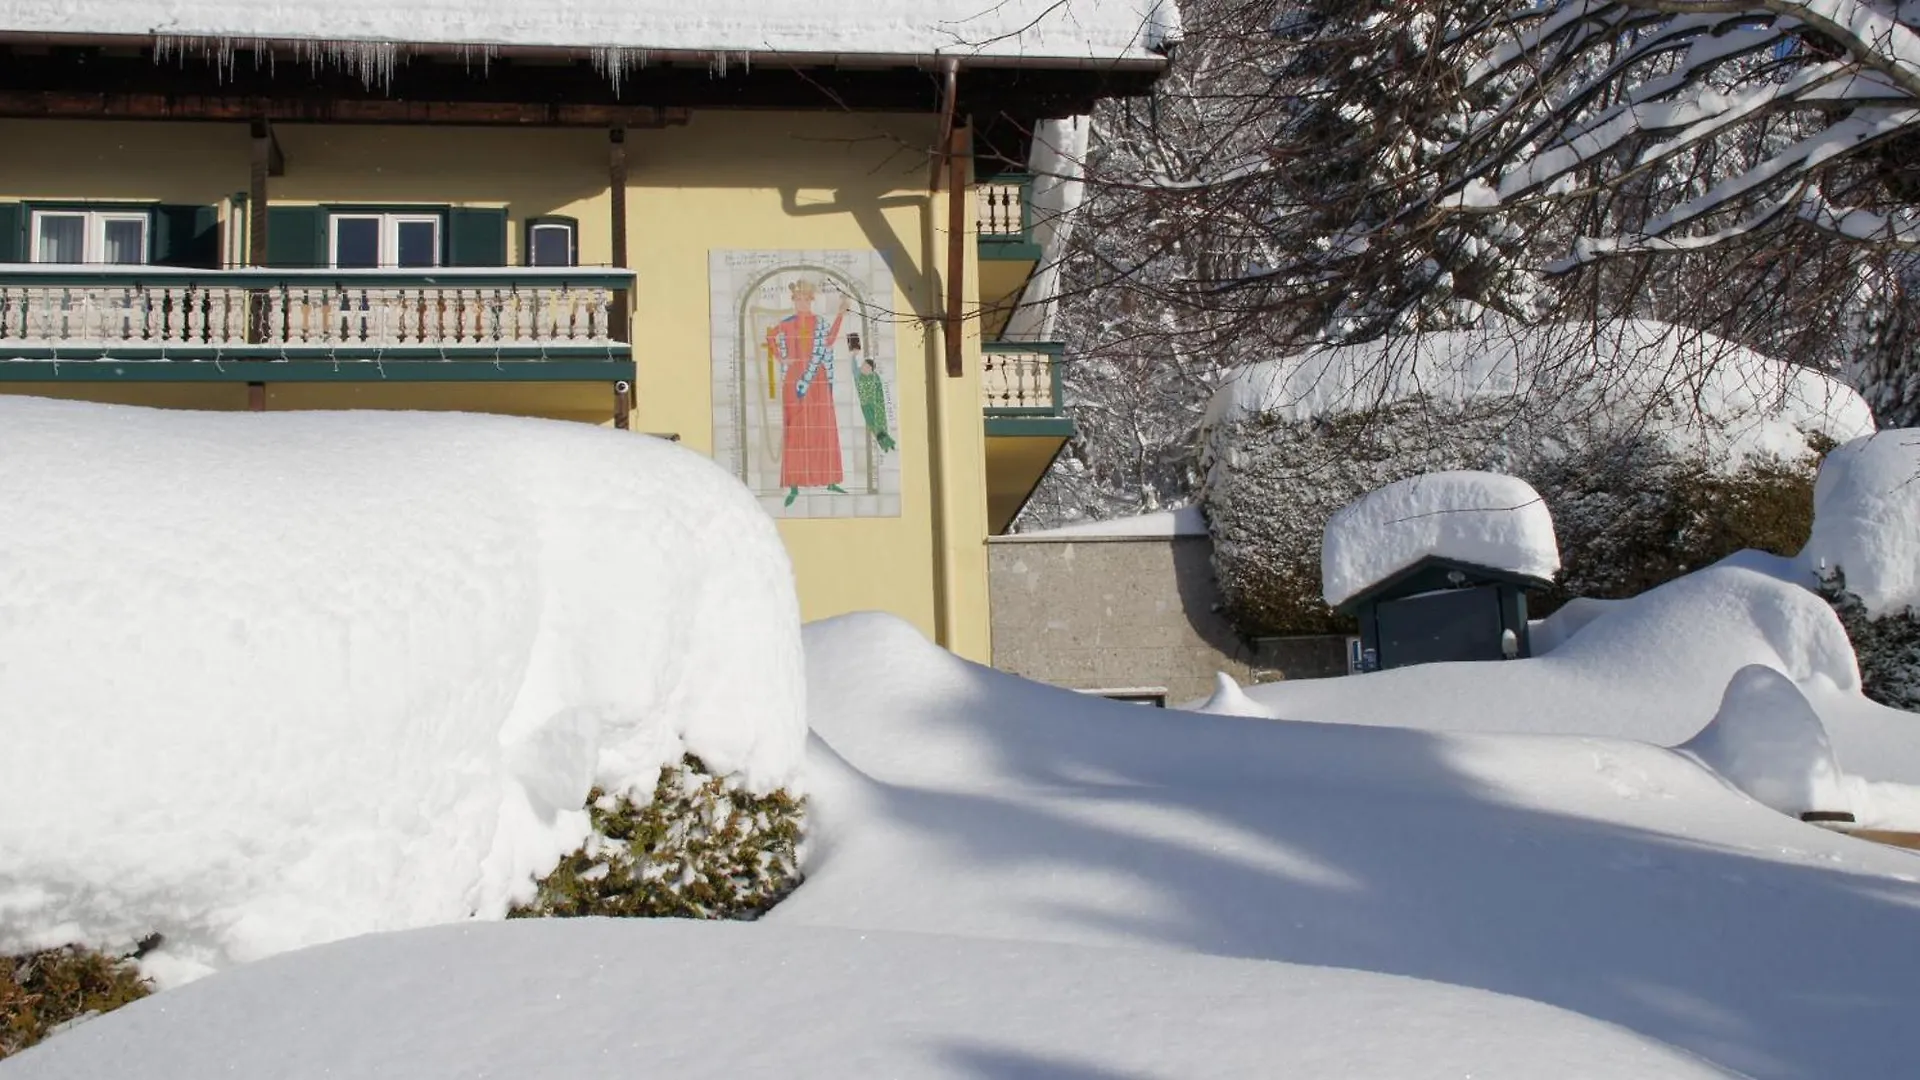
pixel 1008 31
pixel 1478 518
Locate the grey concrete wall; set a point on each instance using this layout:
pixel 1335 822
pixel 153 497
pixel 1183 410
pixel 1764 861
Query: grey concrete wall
pixel 1105 613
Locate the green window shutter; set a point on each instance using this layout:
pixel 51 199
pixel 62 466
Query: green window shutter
pixel 186 236
pixel 476 236
pixel 13 233
pixel 296 236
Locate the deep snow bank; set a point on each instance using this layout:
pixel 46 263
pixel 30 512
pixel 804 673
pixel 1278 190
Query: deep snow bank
pixel 1866 519
pixel 1482 518
pixel 1651 668
pixel 268 680
pixel 1610 878
pixel 1767 741
pixel 564 999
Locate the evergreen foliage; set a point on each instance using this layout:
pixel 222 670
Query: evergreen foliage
pixel 1887 647
pixel 703 848
pixel 42 992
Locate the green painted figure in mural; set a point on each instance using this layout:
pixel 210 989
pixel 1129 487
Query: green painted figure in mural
pixel 873 395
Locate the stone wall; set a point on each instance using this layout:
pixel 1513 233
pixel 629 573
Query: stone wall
pixel 1113 613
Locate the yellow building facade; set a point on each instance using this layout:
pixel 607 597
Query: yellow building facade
pixel 780 286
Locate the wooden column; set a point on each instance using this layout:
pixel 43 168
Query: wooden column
pixel 623 405
pixel 957 234
pixel 617 190
pixel 261 166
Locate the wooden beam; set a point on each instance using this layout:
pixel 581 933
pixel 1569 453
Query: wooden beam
pixel 260 167
pixel 617 193
pixel 69 105
pixel 957 238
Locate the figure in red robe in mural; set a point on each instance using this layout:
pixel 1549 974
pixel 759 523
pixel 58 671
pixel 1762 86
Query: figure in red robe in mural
pixel 801 347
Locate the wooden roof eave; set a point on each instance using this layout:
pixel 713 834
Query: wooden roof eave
pixel 932 61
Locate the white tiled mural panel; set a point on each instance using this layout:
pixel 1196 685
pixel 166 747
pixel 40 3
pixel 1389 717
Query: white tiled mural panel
pixel 805 380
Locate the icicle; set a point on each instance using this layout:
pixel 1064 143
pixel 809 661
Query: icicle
pixel 486 53
pixel 373 61
pixel 613 62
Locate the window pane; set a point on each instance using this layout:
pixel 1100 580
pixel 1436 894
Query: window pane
pixel 124 241
pixel 63 238
pixel 552 245
pixel 356 242
pixel 419 243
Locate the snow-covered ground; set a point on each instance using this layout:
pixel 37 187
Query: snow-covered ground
pixel 1014 880
pixel 268 680
pixel 1500 870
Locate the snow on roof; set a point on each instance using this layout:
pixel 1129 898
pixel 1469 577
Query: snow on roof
pixel 1482 518
pixel 1022 29
pixel 1185 521
pixel 273 679
pixel 1686 385
pixel 1866 519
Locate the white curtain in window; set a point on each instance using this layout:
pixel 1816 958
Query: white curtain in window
pixel 63 238
pixel 123 240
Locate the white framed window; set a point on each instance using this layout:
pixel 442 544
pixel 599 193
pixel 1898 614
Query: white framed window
pixel 552 243
pixel 363 241
pixel 115 237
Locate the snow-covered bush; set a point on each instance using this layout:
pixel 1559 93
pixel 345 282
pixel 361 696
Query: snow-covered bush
pixel 702 848
pixel 42 992
pixel 1864 556
pixel 1768 741
pixel 1888 645
pixel 1645 481
pixel 269 680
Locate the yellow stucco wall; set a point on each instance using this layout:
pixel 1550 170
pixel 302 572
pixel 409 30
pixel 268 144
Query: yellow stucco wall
pixel 726 180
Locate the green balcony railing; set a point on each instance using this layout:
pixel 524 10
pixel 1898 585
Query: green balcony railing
pixel 1020 378
pixel 1005 217
pixel 139 322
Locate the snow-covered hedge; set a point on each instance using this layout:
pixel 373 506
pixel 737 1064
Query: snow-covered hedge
pixel 1645 481
pixel 1864 554
pixel 268 680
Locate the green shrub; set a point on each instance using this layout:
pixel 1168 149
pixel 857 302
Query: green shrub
pixel 1629 512
pixel 704 848
pixel 43 991
pixel 1887 646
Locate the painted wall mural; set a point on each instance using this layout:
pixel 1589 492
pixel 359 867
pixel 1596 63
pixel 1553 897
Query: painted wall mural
pixel 805 378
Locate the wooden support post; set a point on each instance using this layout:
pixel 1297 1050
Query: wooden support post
pixel 262 166
pixel 256 397
pixel 617 190
pixel 623 405
pixel 957 236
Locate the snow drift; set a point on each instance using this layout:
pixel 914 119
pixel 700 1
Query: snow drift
pixel 1482 518
pixel 268 680
pixel 1866 519
pixel 1767 741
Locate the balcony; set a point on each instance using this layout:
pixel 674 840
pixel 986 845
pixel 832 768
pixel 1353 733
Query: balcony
pixel 1025 423
pixel 141 323
pixel 1005 222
